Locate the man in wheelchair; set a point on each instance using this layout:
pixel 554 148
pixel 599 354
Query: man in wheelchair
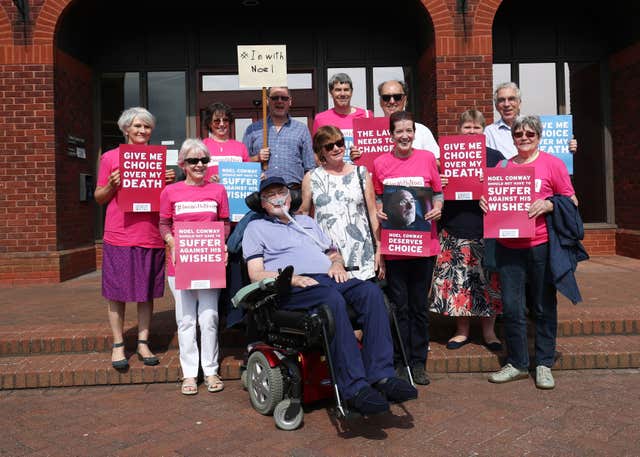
pixel 365 378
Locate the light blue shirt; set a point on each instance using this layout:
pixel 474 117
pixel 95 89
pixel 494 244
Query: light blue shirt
pixel 281 244
pixel 499 137
pixel 291 149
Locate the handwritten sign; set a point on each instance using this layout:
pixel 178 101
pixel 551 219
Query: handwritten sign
pixel 463 158
pixel 371 135
pixel 262 65
pixel 142 177
pixel 509 194
pixel 199 252
pixel 557 131
pixel 239 179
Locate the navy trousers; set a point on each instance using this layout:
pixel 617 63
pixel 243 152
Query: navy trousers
pixel 408 283
pixel 354 368
pixel 518 267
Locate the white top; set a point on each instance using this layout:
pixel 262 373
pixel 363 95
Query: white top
pixel 424 140
pixel 499 137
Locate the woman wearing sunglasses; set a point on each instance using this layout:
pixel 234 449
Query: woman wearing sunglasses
pixel 218 119
pixel 342 199
pixel 194 200
pixel 521 260
pixel 409 278
pixel 133 254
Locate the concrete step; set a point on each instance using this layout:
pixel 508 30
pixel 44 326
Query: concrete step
pixel 77 338
pixel 94 368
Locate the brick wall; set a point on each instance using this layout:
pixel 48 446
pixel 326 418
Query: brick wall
pixel 73 115
pixel 600 241
pixel 27 161
pixel 625 103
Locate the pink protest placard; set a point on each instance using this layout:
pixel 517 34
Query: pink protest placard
pixel 412 243
pixel 405 232
pixel 199 255
pixel 142 173
pixel 509 193
pixel 463 158
pixel 371 135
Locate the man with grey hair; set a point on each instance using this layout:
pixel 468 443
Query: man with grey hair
pixel 393 97
pixel 507 99
pixel 342 114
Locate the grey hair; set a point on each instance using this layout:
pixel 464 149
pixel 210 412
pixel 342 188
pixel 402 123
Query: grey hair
pixel 533 122
pixel 471 115
pixel 507 85
pixel 191 144
pixel 340 78
pixel 128 115
pixel 405 88
pixel 269 89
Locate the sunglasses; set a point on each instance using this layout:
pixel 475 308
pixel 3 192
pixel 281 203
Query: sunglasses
pixel 528 133
pixel 224 120
pixel 194 160
pixel 329 146
pixel 388 97
pixel 282 98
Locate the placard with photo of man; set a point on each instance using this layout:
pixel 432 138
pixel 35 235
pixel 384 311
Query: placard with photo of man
pixel 406 232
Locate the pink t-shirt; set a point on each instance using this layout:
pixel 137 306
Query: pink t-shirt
pixel 551 178
pixel 184 203
pixel 418 170
pixel 342 121
pixel 224 151
pixel 126 229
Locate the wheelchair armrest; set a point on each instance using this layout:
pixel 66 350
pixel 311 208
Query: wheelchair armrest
pixel 249 296
pixel 253 295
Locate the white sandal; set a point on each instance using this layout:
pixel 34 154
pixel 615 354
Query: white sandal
pixel 213 383
pixel 189 386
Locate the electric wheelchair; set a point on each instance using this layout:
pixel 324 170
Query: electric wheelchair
pixel 290 364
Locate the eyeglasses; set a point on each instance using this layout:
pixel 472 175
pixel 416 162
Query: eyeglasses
pixel 282 98
pixel 388 97
pixel 194 160
pixel 528 133
pixel 224 120
pixel 329 146
pixel 406 201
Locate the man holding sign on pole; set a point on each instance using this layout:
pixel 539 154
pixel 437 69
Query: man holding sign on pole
pixel 288 152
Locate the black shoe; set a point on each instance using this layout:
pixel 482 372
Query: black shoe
pixel 397 390
pixel 369 401
pixel 149 361
pixel 121 364
pixel 457 344
pixel 494 346
pixel 420 375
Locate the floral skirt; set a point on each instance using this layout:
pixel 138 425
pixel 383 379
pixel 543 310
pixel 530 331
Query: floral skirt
pixel 461 287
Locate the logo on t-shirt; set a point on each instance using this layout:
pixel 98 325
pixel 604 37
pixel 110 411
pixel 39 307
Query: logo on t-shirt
pixel 215 160
pixel 196 207
pixel 408 181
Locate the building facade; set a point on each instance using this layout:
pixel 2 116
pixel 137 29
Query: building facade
pixel 68 69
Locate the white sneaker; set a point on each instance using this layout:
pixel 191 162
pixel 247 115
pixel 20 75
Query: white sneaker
pixel 508 373
pixel 544 378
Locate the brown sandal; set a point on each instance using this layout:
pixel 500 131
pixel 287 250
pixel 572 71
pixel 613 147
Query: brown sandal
pixel 189 386
pixel 213 383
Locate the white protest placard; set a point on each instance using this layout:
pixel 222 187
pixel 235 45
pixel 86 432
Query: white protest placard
pixel 262 65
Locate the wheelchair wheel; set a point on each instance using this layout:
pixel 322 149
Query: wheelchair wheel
pixel 264 384
pixel 284 423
